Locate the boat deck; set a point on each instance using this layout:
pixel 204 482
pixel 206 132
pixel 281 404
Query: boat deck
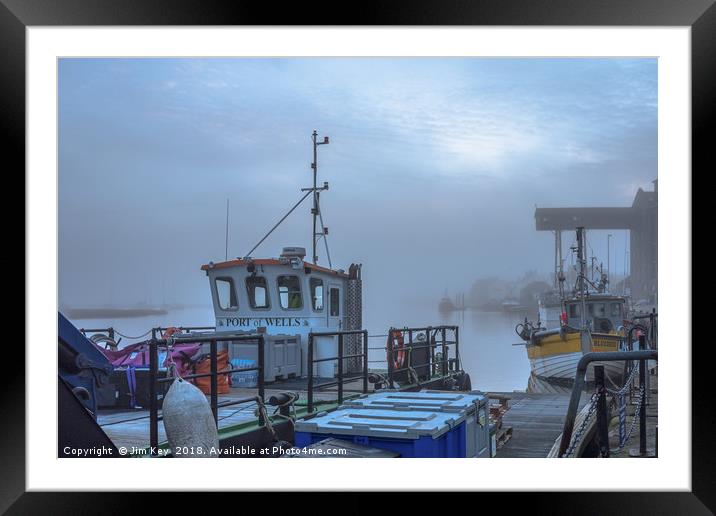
pixel 130 427
pixel 536 420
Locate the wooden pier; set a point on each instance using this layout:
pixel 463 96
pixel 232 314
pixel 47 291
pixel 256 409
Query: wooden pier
pixel 536 420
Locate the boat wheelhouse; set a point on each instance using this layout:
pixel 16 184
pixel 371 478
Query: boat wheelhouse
pixel 605 312
pixel 286 299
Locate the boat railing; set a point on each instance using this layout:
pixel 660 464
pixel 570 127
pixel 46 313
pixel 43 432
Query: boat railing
pixel 436 337
pixel 110 332
pixel 341 358
pixel 159 330
pixel 155 344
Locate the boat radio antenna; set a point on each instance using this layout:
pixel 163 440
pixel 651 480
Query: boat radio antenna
pixel 316 210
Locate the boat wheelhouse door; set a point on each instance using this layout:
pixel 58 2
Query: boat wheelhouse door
pixel 335 306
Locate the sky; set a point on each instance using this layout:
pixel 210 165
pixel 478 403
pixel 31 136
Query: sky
pixel 435 166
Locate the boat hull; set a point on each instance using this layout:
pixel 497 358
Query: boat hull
pixel 554 359
pixel 565 367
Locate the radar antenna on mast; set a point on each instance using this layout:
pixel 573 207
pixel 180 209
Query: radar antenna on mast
pixel 316 210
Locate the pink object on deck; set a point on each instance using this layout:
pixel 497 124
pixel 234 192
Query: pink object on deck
pixel 137 355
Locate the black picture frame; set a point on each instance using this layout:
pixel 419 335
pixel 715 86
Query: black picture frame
pixel 700 15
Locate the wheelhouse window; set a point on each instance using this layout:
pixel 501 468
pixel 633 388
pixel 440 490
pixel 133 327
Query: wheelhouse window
pixel 335 302
pixel 258 292
pixel 600 310
pixel 289 292
pixel 316 294
pixel 226 294
pixel 616 310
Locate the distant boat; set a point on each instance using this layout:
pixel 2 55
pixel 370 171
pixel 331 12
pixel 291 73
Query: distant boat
pixel 446 305
pixel 110 313
pixel 512 305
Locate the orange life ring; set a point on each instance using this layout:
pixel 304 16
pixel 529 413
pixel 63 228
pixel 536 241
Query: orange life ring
pixel 398 346
pixel 170 331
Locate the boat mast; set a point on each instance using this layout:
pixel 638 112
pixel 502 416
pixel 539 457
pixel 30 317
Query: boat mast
pixel 558 263
pixel 581 282
pixel 315 211
pixel 556 259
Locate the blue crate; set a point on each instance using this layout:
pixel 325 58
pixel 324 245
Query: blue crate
pixel 409 433
pixel 472 406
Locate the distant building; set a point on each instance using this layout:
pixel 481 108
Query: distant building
pixel 529 294
pixel 641 219
pixel 489 292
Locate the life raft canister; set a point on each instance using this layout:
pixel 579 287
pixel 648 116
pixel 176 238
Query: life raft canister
pixel 397 357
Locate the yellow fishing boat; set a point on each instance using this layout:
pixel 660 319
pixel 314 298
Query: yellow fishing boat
pixel 586 321
pixel 554 353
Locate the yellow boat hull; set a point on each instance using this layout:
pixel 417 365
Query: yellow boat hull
pixel 571 343
pixel 555 357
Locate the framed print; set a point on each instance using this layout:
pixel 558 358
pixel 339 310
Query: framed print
pixel 425 232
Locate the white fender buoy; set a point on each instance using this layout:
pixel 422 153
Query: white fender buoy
pixel 189 422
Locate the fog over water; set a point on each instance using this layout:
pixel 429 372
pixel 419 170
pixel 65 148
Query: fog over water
pixel 435 168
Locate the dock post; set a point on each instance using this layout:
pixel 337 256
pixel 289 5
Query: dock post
pixel 340 368
pixel 365 361
pixel 444 352
pixel 214 382
pixel 410 352
pixel 262 364
pixel 457 347
pixel 602 417
pixel 389 349
pixel 153 411
pixel 309 365
pixel 261 342
pixel 430 338
pixel 642 389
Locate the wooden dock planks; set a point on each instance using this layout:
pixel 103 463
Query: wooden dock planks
pixel 536 420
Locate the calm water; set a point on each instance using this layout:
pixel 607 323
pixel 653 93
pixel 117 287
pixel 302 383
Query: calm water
pixel 486 338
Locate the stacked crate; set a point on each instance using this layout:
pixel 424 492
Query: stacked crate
pixel 500 433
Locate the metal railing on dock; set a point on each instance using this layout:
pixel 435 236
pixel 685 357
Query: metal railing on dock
pixel 597 404
pixel 652 334
pixel 155 344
